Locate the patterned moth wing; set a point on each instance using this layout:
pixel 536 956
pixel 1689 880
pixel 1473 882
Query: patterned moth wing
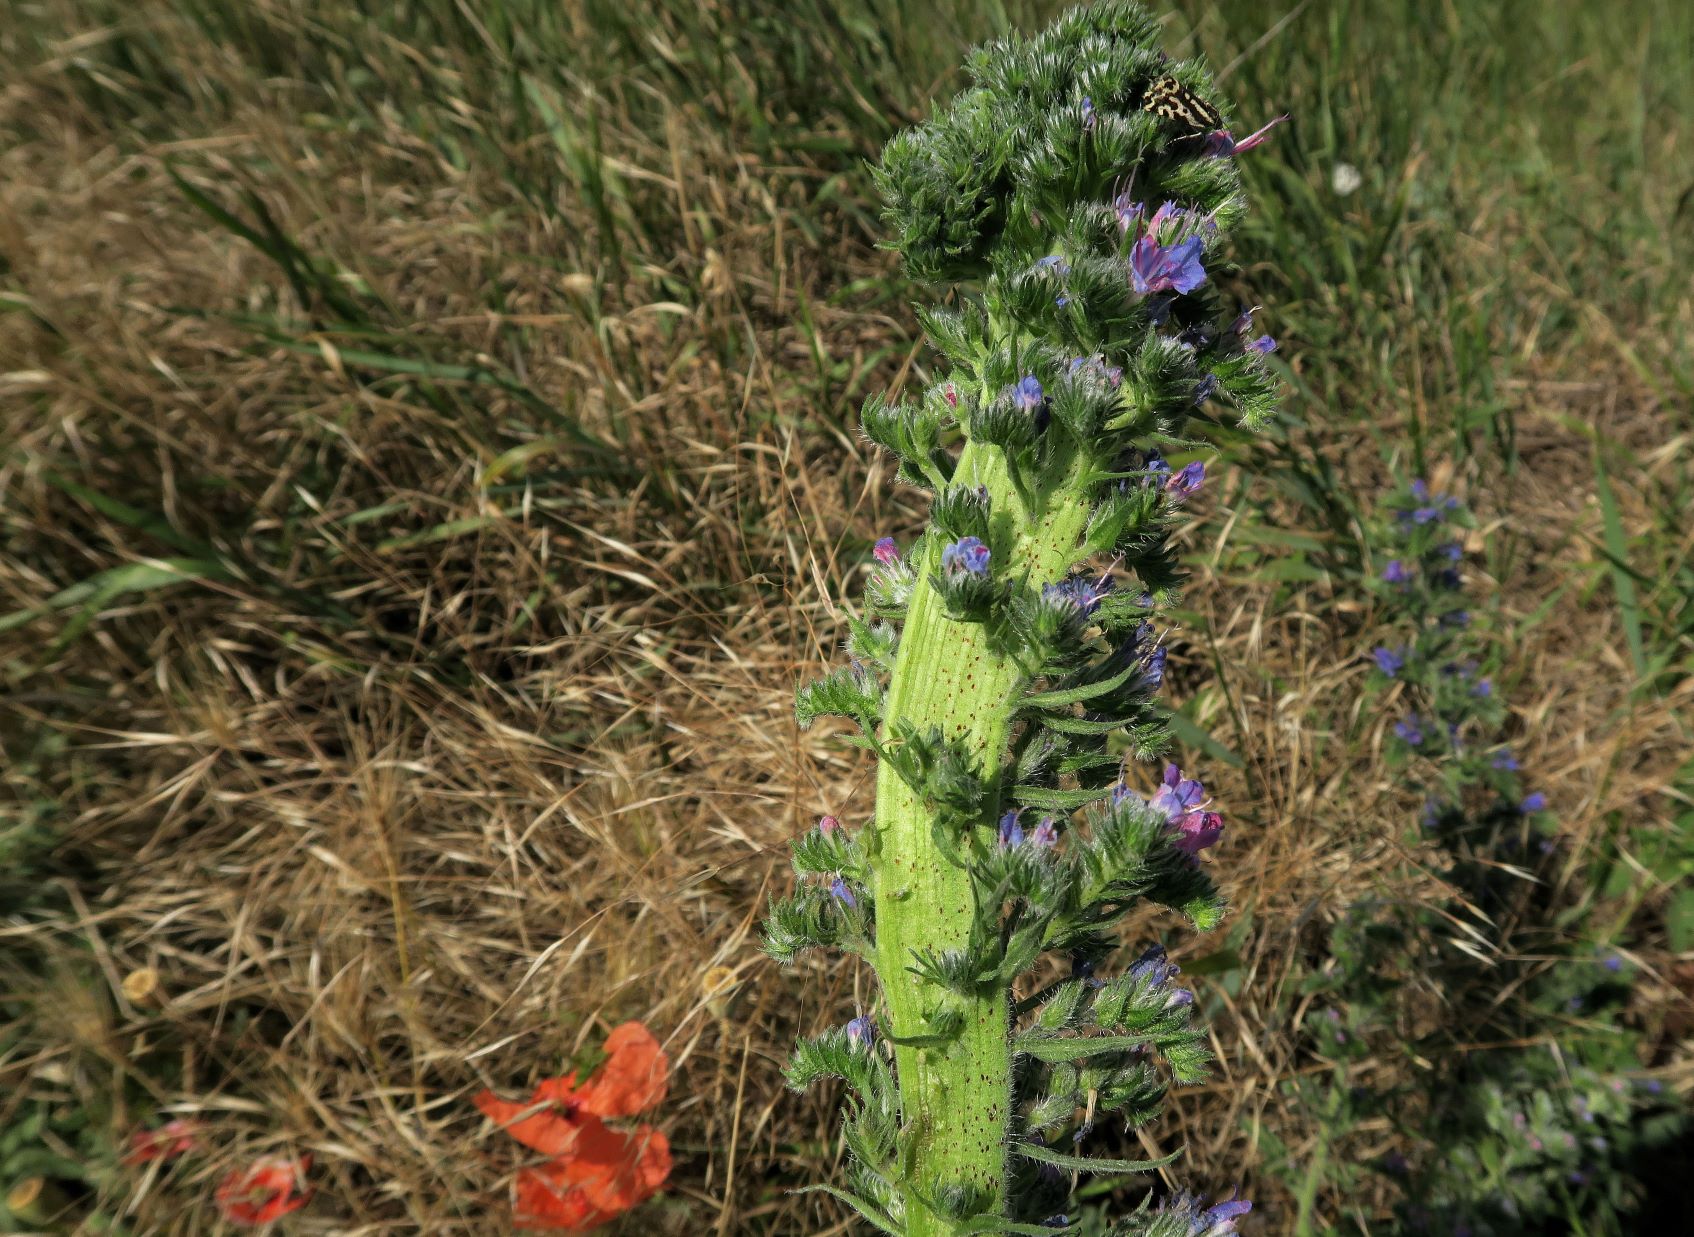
pixel 1170 100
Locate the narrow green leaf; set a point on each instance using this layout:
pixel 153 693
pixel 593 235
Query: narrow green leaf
pixel 1088 1163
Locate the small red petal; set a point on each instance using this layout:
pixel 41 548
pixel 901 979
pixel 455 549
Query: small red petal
pixel 633 1078
pixel 533 1124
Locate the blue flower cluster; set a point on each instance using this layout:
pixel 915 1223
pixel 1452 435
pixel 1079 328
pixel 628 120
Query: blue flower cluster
pixel 1454 720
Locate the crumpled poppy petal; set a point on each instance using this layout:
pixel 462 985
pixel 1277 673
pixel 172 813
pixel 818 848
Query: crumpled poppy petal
pixel 544 1198
pixel 264 1191
pixel 633 1077
pixel 170 1140
pixel 535 1125
pixel 615 1171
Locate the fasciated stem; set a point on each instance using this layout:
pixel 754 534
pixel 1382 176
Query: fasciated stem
pixel 955 1098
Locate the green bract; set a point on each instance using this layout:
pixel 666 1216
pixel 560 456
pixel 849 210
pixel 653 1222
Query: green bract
pixel 1003 684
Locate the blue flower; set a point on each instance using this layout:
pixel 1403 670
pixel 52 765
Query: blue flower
pixel 1204 389
pixel 1456 618
pixel 1088 116
pixel 861 1031
pixel 1430 816
pixel 839 889
pixel 1046 835
pixel 887 553
pixel 1186 482
pixel 1533 803
pixel 1483 688
pixel 1215 1221
pixel 1154 671
pixel 1396 573
pixel 1028 393
pixel 1054 262
pixel 1410 729
pixel 1264 345
pixel 1011 833
pixel 1153 967
pixel 966 556
pixel 1452 550
pixel 1612 963
pixel 1129 213
pixel 1503 759
pixel 1079 591
pixel 1389 661
pixel 1166 268
pixel 1447 578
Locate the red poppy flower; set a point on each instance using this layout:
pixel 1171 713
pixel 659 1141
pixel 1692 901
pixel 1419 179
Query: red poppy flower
pixel 165 1143
pixel 594 1172
pixel 264 1190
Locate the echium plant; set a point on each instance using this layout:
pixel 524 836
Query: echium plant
pixel 1474 798
pixel 1521 1113
pixel 1076 197
pixel 1526 1133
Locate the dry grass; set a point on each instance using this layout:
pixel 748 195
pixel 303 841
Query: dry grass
pixel 462 745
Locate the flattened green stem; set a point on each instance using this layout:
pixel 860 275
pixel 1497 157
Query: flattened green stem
pixel 955 1099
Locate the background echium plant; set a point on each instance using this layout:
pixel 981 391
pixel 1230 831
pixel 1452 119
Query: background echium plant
pixel 1076 197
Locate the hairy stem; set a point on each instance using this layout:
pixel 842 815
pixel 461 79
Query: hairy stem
pixel 955 1098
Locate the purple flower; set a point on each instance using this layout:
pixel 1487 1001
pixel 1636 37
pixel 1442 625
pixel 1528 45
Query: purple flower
pixel 828 826
pixel 1503 759
pixel 1483 688
pixel 1410 729
pixel 1263 345
pixel 1204 388
pixel 1243 321
pixel 1079 591
pixel 1129 213
pixel 966 556
pixel 950 393
pixel 1088 117
pixel 1197 831
pixel 1178 795
pixel 1215 1221
pixel 887 553
pixel 1181 799
pixel 1186 482
pixel 1230 1211
pixel 1533 803
pixel 1220 145
pixel 1166 268
pixel 1028 393
pixel 1430 816
pixel 1612 963
pixel 1046 835
pixel 1011 833
pixel 1154 671
pixel 1153 967
pixel 1451 550
pixel 1054 262
pixel 1456 618
pixel 1389 661
pixel 861 1031
pixel 1396 573
pixel 842 894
